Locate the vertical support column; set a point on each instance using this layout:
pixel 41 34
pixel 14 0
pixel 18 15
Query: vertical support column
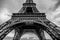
pixel 40 34
pixel 18 34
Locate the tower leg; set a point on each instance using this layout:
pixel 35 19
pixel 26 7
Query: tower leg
pixel 4 32
pixel 18 34
pixel 40 33
pixel 53 37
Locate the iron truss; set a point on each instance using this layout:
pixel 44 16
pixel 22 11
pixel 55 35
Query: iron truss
pixel 34 22
pixel 46 25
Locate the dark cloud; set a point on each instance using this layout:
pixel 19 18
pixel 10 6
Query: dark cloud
pixel 57 4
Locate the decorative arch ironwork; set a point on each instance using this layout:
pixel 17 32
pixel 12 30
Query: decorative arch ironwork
pixel 39 30
pixel 40 24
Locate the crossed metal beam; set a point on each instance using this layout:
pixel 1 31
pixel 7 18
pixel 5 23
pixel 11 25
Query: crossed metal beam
pixel 49 28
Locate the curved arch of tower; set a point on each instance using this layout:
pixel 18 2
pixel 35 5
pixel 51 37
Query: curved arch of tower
pixel 29 19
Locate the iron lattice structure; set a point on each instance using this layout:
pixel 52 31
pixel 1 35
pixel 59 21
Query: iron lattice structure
pixel 29 19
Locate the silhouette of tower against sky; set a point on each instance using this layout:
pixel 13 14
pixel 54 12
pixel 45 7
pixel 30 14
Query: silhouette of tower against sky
pixel 29 20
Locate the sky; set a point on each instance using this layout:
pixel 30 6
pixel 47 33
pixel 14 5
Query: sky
pixel 27 35
pixel 50 7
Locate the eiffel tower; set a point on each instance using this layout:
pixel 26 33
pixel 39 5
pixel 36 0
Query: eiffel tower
pixel 29 19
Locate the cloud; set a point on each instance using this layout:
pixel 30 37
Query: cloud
pixel 28 35
pixel 57 4
pixel 5 15
pixel 53 12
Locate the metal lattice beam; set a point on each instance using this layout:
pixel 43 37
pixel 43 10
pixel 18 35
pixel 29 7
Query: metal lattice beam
pixel 4 32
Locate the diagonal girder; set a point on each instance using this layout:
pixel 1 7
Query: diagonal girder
pixel 51 35
pixel 5 28
pixel 5 25
pixel 52 28
pixel 4 32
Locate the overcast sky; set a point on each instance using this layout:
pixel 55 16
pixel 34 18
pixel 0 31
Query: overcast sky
pixel 50 7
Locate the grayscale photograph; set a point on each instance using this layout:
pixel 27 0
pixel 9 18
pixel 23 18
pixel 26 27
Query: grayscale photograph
pixel 29 19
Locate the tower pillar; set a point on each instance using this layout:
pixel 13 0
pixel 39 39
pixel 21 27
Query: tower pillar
pixel 29 1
